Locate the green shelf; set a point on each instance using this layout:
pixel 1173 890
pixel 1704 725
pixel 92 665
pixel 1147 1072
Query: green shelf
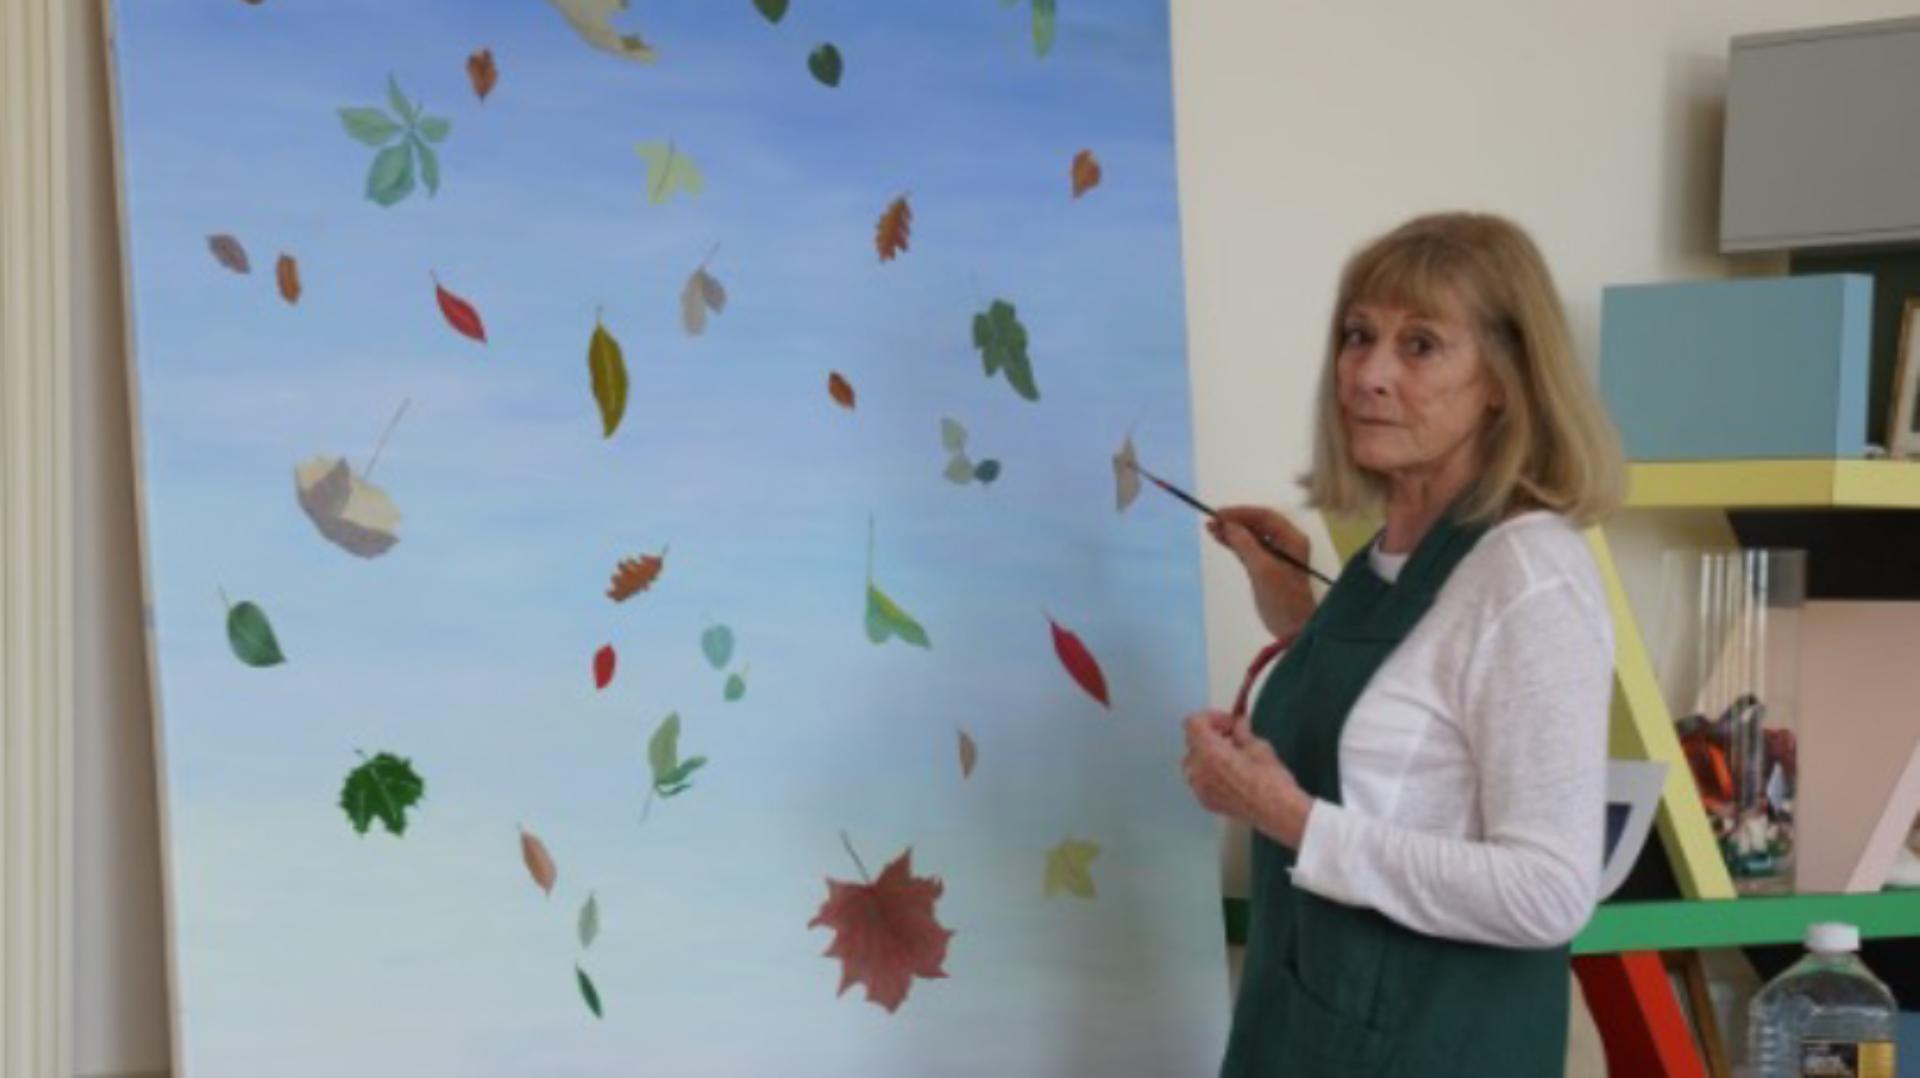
pixel 1684 925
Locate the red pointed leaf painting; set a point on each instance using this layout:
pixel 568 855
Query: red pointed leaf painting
pixel 1080 663
pixel 885 931
pixel 603 661
pixel 459 313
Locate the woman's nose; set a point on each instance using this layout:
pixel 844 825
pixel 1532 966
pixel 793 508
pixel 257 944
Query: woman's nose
pixel 1373 373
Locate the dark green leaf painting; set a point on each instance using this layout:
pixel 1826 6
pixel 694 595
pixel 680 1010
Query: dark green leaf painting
pixel 382 788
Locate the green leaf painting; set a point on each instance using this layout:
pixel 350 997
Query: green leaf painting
pixel 735 688
pixel 961 469
pixel 251 636
pixel 885 619
pixel 587 991
pixel 1043 26
pixel 717 645
pixel 1069 869
pixel 669 170
pixel 1002 341
pixel 403 140
pixel 589 922
pixel 774 10
pixel 826 65
pixel 381 788
pixel 671 774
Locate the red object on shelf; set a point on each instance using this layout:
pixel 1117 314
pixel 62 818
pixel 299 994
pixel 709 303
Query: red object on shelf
pixel 1641 1024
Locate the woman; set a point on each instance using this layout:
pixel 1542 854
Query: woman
pixel 1424 772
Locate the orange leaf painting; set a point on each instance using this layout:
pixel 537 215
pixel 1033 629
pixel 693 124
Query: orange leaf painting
pixel 635 575
pixel 840 390
pixel 885 931
pixel 603 664
pixel 1086 172
pixel 539 861
pixel 890 237
pixel 482 73
pixel 286 273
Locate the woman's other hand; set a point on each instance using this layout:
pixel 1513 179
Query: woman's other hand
pixel 1282 593
pixel 1236 774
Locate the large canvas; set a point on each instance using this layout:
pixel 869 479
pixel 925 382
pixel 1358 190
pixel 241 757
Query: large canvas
pixel 644 568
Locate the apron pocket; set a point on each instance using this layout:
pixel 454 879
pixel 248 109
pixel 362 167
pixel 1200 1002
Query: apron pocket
pixel 1339 954
pixel 1335 1044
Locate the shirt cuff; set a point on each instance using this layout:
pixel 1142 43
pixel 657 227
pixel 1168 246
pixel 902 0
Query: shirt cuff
pixel 1313 863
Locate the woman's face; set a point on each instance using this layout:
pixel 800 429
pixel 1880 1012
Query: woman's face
pixel 1414 389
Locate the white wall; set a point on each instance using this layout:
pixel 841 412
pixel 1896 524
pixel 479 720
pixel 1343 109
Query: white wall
pixel 1305 128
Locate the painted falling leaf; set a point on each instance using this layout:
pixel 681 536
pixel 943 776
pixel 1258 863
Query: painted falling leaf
pixel 587 991
pixel 886 931
pixel 593 21
pixel 840 390
pixel 635 575
pixel 381 788
pixel 589 922
pixel 286 275
pixel 716 643
pixel 825 64
pixel 482 73
pixel 250 635
pixel 1126 477
pixel 891 234
pixel 228 252
pixel 736 686
pixel 607 369
pixel 539 862
pixel 671 775
pixel 969 755
pixel 703 293
pixel 772 10
pixel 603 664
pixel 1080 663
pixel 1068 869
pixel 458 312
pixel 669 170
pixel 885 619
pixel 1045 17
pixel 1086 172
pixel 1002 341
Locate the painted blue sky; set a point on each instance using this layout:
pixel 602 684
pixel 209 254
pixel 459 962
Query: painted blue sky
pixel 307 949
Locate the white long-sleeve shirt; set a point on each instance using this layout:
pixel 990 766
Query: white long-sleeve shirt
pixel 1473 765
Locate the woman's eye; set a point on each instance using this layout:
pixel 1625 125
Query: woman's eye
pixel 1354 335
pixel 1422 345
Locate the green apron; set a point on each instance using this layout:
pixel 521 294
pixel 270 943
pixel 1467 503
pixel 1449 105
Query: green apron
pixel 1330 989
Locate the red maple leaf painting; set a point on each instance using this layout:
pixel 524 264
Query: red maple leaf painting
pixel 886 933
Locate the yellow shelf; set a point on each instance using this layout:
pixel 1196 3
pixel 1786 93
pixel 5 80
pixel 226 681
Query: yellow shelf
pixel 1775 484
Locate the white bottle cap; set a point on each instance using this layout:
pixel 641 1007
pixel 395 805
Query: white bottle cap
pixel 1829 937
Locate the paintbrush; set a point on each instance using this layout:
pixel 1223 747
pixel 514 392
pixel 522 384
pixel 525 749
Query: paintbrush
pixel 1266 543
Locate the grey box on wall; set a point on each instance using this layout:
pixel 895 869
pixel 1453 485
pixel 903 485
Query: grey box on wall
pixel 1823 138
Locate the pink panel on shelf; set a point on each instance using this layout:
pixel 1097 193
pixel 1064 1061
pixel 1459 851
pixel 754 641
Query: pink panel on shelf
pixel 1859 728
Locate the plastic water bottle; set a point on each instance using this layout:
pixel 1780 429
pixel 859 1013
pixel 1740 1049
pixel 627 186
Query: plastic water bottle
pixel 1826 1016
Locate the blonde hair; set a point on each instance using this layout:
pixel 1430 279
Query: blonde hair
pixel 1551 445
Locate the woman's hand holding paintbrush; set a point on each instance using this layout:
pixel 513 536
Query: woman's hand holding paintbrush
pixel 1282 594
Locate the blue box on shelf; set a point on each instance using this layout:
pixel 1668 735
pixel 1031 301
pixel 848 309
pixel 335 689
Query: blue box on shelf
pixel 1770 368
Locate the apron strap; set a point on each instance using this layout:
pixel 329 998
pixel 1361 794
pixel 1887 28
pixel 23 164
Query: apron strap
pixel 1254 669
